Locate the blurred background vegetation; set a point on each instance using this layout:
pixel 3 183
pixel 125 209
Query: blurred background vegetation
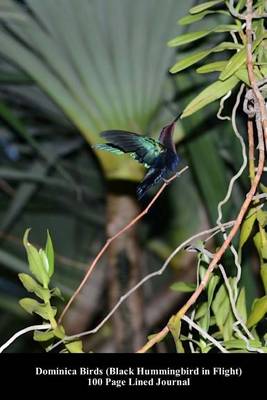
pixel 69 69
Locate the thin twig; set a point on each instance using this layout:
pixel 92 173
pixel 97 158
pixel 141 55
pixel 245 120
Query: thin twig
pixel 205 334
pixel 246 340
pixel 22 332
pixel 251 150
pixel 259 197
pixel 222 101
pixel 110 240
pixel 244 156
pixel 239 173
pixel 232 181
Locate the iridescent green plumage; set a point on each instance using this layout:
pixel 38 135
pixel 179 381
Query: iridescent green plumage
pixel 158 155
pixel 140 148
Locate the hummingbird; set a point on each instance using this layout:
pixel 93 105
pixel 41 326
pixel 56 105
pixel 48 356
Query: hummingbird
pixel 159 157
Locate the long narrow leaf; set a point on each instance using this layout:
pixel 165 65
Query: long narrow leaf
pixel 213 92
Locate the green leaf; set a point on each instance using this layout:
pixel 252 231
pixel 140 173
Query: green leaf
pixel 219 299
pixel 44 310
pixel 240 344
pixel 237 60
pixel 212 67
pixel 202 268
pixel 242 75
pixel 192 36
pixel 214 280
pixel 213 189
pixel 204 6
pixel 227 46
pixel 213 92
pixel 204 322
pixel 59 332
pixel 188 38
pixel 241 305
pixel 234 64
pixel 188 61
pixel 227 28
pixel 205 348
pixel 221 306
pixel 29 304
pixel 262 218
pixel 183 287
pixel 259 309
pixel 247 227
pixel 195 57
pixel 39 336
pixel 241 4
pixel 263 272
pixel 204 259
pixel 263 72
pixel 263 188
pixel 212 321
pixel 35 262
pixel 258 244
pixel 56 292
pixel 189 19
pixel 174 326
pixel 50 254
pixel 44 260
pixel 222 314
pixel 201 310
pixel 228 325
pixel 75 347
pixel 32 286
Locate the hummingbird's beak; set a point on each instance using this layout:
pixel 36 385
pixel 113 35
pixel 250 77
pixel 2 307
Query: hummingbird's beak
pixel 176 118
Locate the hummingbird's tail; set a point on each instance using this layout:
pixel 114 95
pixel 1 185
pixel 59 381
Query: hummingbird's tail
pixel 151 178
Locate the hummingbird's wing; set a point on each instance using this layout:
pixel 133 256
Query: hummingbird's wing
pixel 143 149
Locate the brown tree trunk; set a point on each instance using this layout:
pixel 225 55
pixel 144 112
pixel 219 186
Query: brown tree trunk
pixel 124 271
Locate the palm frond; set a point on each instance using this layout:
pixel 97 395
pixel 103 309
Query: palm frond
pixel 104 63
